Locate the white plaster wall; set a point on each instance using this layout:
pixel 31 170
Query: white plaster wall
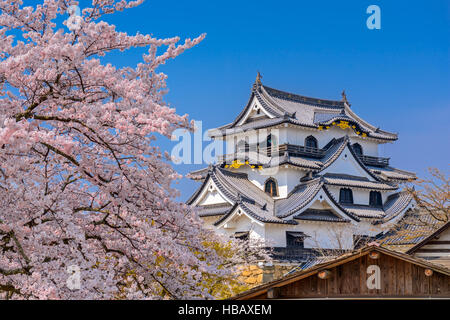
pixel 213 197
pixel 347 164
pixel 370 148
pixel 322 235
pixel 297 135
pixel 287 178
pixel 243 223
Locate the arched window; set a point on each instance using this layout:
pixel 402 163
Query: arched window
pixel 346 195
pixel 375 199
pixel 242 145
pixel 270 187
pixel 358 149
pixel 311 142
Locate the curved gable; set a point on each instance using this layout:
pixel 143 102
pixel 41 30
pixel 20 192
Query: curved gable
pixel 345 160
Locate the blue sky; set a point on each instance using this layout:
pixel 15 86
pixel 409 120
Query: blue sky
pixel 396 77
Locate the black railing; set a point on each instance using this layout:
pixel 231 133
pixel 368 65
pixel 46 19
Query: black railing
pixel 296 150
pixel 374 161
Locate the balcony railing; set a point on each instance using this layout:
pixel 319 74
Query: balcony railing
pixel 299 151
pixel 374 161
pixel 295 150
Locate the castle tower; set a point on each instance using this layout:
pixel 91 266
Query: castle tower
pixel 301 173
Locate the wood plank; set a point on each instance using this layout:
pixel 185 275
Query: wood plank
pixel 384 264
pixel 355 277
pixel 408 279
pixel 363 275
pixel 347 284
pixel 400 277
pixel 331 288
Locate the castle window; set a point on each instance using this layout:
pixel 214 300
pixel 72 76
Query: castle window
pixel 346 195
pixel 295 239
pixel 271 140
pixel 375 199
pixel 358 149
pixel 244 235
pixel 311 142
pixel 242 145
pixel 270 187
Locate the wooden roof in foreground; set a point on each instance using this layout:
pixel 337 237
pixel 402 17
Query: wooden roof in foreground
pixel 348 278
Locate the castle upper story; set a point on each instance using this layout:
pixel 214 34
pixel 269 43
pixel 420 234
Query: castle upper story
pixel 301 163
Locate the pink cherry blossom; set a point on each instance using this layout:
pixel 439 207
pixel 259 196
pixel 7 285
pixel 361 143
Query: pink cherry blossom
pixel 81 181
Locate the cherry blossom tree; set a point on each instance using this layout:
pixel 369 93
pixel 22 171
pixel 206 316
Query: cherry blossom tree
pixel 83 188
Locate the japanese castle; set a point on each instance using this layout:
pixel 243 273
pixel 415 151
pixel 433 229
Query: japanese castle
pixel 302 174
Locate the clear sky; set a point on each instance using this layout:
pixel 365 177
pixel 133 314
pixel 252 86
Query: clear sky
pixel 396 78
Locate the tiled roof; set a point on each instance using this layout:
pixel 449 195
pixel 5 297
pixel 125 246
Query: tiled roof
pixel 311 262
pixel 395 204
pixel 334 150
pixel 319 215
pixel 356 182
pixel 257 124
pixel 429 238
pixel 236 187
pixel 214 210
pixel 198 174
pixel 320 117
pixel 299 99
pixel 410 230
pixel 285 107
pixel 298 198
pixel 364 211
pixel 256 211
pixel 262 214
pixel 392 174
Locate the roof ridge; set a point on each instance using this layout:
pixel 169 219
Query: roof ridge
pixel 301 98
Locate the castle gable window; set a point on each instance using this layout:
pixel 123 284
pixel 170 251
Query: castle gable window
pixel 375 199
pixel 311 142
pixel 358 149
pixel 242 145
pixel 271 140
pixel 270 187
pixel 243 235
pixel 346 195
pixel 295 239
